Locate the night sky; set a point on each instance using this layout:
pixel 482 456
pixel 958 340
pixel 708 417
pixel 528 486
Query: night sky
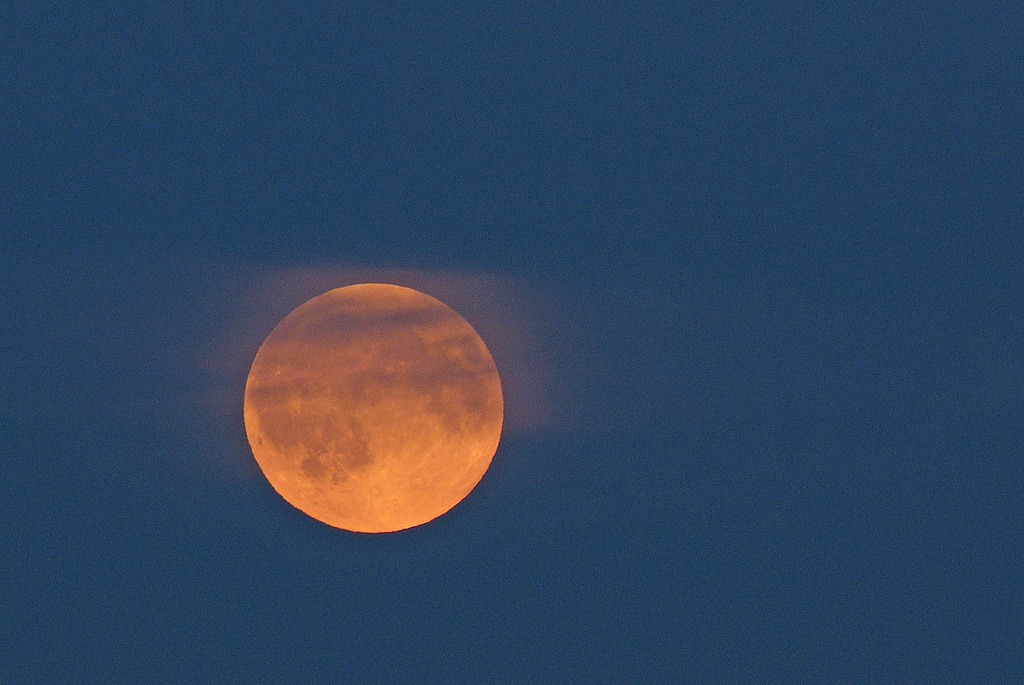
pixel 752 276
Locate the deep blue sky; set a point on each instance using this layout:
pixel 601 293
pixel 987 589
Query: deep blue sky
pixel 785 245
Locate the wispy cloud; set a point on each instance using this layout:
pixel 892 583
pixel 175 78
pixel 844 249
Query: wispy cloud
pixel 504 311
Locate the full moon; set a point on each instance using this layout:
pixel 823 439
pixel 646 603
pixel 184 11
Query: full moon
pixel 373 408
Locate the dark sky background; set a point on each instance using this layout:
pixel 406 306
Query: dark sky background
pixel 772 260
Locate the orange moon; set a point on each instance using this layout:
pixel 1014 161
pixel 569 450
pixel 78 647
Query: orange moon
pixel 373 408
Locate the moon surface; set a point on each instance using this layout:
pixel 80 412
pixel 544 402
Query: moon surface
pixel 373 408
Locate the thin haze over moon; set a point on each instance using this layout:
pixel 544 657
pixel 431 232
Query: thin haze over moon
pixel 373 408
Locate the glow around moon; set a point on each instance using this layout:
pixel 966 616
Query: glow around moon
pixel 373 408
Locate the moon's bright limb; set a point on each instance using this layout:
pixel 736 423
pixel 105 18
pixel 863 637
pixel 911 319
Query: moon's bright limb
pixel 373 408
